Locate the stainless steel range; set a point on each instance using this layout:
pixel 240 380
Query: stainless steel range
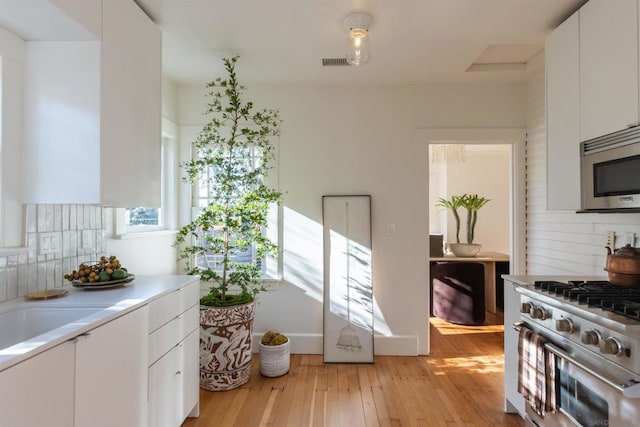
pixel 593 329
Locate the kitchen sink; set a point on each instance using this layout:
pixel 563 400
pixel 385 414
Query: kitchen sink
pixel 23 323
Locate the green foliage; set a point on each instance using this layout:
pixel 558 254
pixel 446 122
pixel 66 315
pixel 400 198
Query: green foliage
pixel 236 216
pixel 472 203
pixel 452 205
pixel 273 338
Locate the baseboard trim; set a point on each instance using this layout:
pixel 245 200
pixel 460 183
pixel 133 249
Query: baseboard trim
pixel 396 345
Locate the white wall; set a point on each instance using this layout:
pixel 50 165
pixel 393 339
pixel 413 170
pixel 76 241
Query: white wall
pixel 360 140
pixel 560 242
pixel 12 51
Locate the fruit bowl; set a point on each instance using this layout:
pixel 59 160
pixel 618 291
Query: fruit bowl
pixel 103 285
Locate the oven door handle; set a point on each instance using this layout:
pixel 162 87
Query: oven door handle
pixel 630 389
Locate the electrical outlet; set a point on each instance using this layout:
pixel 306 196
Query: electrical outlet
pixel 630 238
pixel 610 239
pixel 391 229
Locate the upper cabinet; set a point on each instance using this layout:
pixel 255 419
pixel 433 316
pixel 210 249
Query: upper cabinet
pixel 592 75
pixel 93 112
pixel 130 106
pixel 563 119
pixel 608 67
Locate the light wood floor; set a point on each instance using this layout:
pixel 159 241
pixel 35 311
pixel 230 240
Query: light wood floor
pixel 459 384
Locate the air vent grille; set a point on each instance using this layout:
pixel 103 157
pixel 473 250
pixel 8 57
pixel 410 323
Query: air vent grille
pixel 335 62
pixel 612 140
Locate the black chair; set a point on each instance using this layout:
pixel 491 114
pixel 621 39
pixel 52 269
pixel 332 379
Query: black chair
pixel 457 292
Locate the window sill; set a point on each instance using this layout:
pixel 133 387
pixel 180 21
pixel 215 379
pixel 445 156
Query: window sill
pixel 144 234
pixel 13 251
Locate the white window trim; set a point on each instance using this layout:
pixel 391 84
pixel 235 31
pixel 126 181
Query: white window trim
pixel 168 214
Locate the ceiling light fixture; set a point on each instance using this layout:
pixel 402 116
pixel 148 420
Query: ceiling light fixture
pixel 357 24
pixel 448 153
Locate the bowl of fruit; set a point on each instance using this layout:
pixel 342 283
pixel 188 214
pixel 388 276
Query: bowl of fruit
pixel 108 272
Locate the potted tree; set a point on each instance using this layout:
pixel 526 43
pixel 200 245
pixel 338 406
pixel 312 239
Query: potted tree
pixel 225 243
pixel 472 203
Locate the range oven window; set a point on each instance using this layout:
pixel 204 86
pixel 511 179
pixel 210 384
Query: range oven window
pixel 617 177
pixel 581 403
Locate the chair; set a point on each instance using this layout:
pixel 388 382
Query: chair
pixel 457 292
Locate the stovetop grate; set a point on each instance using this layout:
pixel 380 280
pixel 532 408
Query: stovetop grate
pixel 621 300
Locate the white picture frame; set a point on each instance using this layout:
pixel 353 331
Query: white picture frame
pixel 348 283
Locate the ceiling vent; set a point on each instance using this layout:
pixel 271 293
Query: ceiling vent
pixel 335 62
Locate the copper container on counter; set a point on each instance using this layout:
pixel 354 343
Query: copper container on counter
pixel 623 266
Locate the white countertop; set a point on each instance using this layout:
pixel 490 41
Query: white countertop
pixel 112 303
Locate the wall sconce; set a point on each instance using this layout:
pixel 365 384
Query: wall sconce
pixel 357 24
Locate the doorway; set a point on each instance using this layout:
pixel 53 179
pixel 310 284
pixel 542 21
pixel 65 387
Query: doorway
pixel 511 137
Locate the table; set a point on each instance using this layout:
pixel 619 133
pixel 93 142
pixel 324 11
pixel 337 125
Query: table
pixel 489 260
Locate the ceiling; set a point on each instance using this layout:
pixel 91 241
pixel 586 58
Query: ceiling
pixel 412 42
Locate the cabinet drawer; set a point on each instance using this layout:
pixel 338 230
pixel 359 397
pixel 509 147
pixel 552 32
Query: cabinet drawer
pixel 170 306
pixel 173 384
pixel 171 333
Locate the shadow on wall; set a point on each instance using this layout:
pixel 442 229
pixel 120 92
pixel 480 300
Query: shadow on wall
pixel 303 267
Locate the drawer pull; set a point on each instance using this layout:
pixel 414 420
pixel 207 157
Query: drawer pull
pixel 178 372
pixel 77 338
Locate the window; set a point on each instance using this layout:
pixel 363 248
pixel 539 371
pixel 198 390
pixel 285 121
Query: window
pixel 243 254
pixel 145 219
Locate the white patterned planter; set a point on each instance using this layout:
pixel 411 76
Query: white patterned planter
pixel 225 346
pixel 275 359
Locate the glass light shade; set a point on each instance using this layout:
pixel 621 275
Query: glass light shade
pixel 448 153
pixel 358 47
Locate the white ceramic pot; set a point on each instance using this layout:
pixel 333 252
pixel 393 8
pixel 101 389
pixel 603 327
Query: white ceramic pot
pixel 275 359
pixel 465 250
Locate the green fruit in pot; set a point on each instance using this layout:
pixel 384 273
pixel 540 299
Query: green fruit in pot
pixel 119 274
pixel 104 276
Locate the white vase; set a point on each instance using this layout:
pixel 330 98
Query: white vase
pixel 275 359
pixel 465 250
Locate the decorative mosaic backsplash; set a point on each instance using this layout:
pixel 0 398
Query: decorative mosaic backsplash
pixel 58 238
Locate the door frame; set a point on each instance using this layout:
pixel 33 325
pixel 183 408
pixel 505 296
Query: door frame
pixel 516 137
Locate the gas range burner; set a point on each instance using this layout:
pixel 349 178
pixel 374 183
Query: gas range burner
pixel 601 294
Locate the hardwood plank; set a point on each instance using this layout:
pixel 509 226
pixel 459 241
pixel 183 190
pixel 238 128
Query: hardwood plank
pixel 459 384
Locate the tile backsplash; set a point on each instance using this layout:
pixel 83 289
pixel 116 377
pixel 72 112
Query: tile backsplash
pixel 58 238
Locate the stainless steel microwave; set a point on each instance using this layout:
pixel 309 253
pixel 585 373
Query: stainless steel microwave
pixel 610 172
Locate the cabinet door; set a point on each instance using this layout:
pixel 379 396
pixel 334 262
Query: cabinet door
pixel 39 391
pixel 61 114
pixel 514 402
pixel 130 105
pixel 111 373
pixel 563 119
pixel 164 400
pixel 608 67
pixel 190 378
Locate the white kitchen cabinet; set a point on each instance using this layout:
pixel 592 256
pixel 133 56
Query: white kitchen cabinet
pixel 39 391
pixel 173 384
pixel 96 379
pixel 93 114
pixel 130 106
pixel 513 401
pixel 563 119
pixel 111 373
pixel 173 357
pixel 609 99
